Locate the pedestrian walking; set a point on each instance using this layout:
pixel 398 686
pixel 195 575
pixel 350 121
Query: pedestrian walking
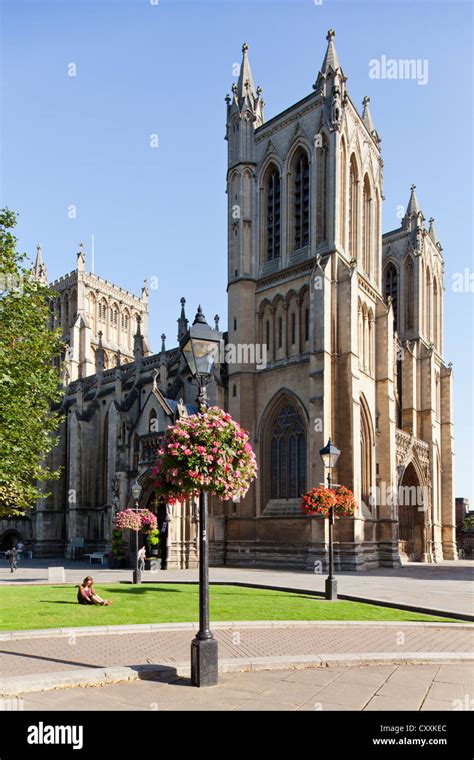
pixel 12 559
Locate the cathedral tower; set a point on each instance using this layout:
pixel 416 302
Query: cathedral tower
pixel 87 305
pixel 313 327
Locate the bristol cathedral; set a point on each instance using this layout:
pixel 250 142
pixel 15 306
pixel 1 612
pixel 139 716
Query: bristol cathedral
pixel 351 322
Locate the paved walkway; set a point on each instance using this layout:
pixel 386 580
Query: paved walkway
pixel 38 660
pixel 447 586
pixel 387 687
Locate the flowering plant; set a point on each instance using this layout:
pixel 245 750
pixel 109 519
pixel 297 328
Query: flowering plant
pixel 149 521
pixel 319 501
pixel 208 451
pixel 346 505
pixel 132 520
pixel 128 519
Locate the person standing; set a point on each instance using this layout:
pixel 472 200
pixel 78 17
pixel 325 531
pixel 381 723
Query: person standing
pixel 141 559
pixel 12 559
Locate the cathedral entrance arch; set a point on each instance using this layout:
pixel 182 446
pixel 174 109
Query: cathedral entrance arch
pixel 9 539
pixel 412 513
pixel 177 525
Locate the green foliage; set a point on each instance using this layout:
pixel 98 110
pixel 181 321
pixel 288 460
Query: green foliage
pixel 29 384
pixel 468 524
pixel 153 537
pixel 118 545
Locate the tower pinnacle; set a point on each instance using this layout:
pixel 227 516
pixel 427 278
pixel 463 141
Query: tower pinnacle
pixel 81 259
pixel 331 80
pixel 367 119
pixel 247 99
pixel 39 269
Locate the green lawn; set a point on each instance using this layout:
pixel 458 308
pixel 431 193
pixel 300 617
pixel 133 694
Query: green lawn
pixel 27 607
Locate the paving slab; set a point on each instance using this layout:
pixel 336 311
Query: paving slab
pixel 29 664
pixel 263 691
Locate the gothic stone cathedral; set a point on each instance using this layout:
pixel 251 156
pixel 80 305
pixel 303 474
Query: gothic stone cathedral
pixel 350 321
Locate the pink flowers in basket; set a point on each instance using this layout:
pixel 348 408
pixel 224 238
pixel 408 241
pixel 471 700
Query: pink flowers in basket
pixel 208 451
pixel 130 519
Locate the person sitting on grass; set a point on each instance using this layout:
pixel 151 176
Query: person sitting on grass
pixel 86 593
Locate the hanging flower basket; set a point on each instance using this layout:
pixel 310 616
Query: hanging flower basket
pixel 346 505
pixel 208 451
pixel 130 519
pixel 319 501
pixel 148 520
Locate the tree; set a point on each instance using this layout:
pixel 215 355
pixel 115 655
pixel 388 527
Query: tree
pixel 29 383
pixel 468 524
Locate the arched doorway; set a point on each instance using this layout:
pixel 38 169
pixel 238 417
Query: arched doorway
pixel 9 539
pixel 412 510
pixel 158 506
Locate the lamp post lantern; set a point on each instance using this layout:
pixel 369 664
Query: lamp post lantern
pixel 330 454
pixel 200 348
pixel 136 491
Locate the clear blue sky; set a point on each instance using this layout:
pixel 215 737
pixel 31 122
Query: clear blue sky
pixel 164 69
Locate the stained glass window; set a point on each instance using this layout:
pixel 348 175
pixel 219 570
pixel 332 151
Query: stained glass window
pixel 287 454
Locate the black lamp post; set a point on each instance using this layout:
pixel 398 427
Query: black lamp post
pixel 136 491
pixel 330 454
pixel 200 347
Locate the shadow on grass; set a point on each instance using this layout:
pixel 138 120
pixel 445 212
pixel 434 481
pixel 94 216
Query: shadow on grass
pixel 139 590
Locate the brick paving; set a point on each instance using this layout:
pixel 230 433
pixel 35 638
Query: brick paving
pixel 386 687
pixel 29 656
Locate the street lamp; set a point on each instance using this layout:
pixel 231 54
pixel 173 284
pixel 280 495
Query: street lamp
pixel 136 491
pixel 330 454
pixel 200 348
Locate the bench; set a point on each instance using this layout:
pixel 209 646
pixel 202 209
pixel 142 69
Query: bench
pixel 101 556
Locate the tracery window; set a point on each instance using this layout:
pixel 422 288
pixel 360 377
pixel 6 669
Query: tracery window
pixel 322 178
pixel 301 201
pixel 287 454
pixel 273 215
pixel 353 207
pixel 391 289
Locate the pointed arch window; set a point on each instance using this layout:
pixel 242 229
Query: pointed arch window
pixel 409 293
pixel 102 311
pixel 105 458
pixel 366 221
pixel 435 313
pixel 322 177
pixel 429 322
pixel 353 207
pixel 366 454
pixel 287 454
pixel 391 290
pixel 342 194
pixel 273 215
pixel 301 201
